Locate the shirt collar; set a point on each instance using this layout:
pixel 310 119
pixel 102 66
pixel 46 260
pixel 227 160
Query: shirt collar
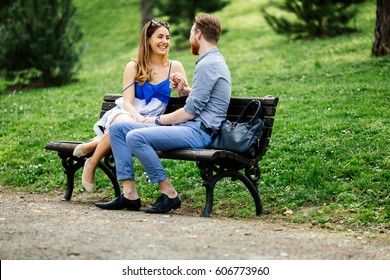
pixel 212 50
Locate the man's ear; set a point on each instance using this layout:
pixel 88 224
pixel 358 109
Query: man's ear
pixel 198 34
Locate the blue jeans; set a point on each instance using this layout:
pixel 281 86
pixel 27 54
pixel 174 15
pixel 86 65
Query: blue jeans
pixel 143 140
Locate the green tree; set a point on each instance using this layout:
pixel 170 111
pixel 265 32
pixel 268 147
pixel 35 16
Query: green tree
pixel 180 14
pixel 146 11
pixel 39 41
pixel 311 18
pixel 381 45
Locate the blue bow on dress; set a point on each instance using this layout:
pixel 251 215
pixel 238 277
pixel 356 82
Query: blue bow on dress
pixel 147 91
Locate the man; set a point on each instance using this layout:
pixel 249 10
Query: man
pixel 189 127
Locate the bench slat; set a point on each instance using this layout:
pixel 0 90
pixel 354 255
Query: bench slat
pixel 236 111
pixel 62 146
pixel 268 113
pixel 235 107
pixel 193 154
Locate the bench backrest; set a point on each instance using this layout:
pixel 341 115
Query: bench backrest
pixel 236 106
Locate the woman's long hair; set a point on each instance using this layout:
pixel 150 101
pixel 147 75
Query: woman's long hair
pixel 144 70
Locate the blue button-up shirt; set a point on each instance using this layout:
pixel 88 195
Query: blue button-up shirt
pixel 211 90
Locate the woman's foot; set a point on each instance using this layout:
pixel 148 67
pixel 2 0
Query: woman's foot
pixel 86 148
pixel 88 177
pixel 79 151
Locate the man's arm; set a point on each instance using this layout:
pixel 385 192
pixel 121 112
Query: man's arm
pixel 179 116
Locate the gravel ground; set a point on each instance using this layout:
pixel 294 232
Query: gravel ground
pixel 42 227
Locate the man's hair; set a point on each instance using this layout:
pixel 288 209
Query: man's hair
pixel 210 26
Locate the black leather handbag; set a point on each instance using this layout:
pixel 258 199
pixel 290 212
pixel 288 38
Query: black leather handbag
pixel 241 137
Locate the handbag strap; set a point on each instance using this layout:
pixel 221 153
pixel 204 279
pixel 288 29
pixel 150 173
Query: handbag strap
pixel 255 115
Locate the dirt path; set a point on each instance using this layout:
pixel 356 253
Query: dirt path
pixel 38 226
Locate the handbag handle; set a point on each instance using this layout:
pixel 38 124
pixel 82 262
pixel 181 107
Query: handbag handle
pixel 244 112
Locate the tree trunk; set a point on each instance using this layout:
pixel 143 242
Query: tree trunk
pixel 146 11
pixel 381 44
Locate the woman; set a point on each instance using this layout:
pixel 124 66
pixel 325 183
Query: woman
pixel 146 92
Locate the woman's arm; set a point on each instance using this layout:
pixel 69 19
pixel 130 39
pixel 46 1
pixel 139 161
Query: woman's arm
pixel 129 93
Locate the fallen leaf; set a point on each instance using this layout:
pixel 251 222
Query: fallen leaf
pixel 288 211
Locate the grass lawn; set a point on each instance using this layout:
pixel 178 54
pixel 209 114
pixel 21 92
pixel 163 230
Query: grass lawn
pixel 329 155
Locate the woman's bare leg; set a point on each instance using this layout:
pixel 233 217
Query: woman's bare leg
pixel 102 148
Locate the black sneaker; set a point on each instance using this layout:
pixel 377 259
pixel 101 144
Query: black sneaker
pixel 164 204
pixel 121 202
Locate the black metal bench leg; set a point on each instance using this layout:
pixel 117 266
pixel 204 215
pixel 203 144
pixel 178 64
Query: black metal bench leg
pixel 69 184
pixel 71 164
pixel 208 209
pixel 234 174
pixel 254 192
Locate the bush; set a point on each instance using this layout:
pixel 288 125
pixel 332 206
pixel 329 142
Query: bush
pixel 38 41
pixel 312 18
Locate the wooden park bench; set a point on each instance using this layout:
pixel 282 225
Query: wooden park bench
pixel 214 165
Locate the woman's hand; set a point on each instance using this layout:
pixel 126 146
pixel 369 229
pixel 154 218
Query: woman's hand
pixel 141 118
pixel 149 120
pixel 178 82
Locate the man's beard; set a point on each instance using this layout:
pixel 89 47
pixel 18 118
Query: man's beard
pixel 195 48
